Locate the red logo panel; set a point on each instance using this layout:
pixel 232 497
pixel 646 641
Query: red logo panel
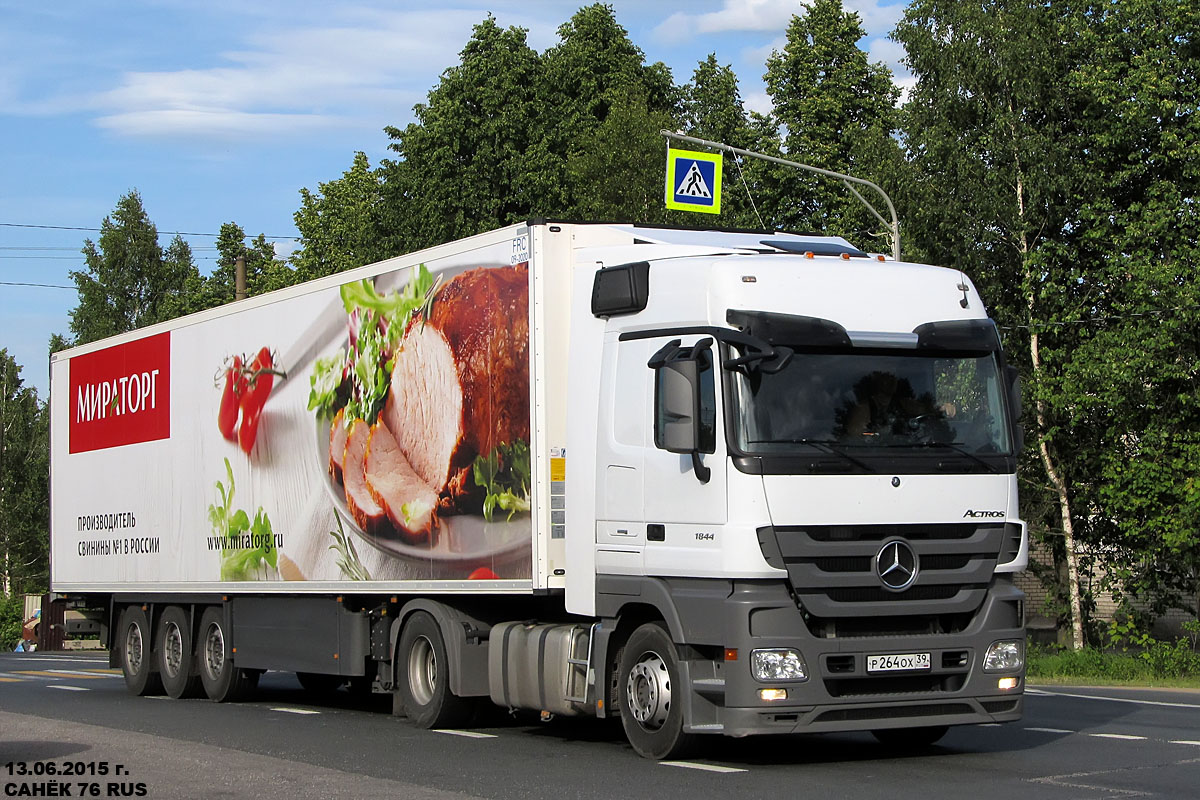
pixel 121 395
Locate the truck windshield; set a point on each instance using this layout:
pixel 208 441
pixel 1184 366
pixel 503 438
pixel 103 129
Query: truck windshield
pixel 861 402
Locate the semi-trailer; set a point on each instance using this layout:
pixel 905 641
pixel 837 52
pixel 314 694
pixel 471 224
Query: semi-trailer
pixel 708 482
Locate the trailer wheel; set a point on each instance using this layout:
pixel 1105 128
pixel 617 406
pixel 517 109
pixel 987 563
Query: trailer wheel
pixel 137 658
pixel 423 681
pixel 910 738
pixel 651 695
pixel 176 660
pixel 223 682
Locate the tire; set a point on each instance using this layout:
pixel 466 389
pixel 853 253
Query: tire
pixel 175 655
pixel 910 738
pixel 651 694
pixel 134 641
pixel 423 676
pixel 223 682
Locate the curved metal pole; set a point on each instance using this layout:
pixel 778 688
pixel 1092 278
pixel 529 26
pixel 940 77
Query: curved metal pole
pixel 893 225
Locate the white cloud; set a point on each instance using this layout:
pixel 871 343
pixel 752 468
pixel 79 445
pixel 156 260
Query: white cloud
pixel 758 101
pixel 769 15
pixel 759 55
pixel 294 80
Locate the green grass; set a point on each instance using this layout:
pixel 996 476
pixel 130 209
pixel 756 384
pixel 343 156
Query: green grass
pixel 1163 665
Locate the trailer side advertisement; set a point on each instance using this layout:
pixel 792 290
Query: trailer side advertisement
pixel 376 431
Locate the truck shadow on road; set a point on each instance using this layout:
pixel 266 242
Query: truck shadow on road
pixel 31 751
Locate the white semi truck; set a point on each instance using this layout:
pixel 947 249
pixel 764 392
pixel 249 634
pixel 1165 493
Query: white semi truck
pixel 710 482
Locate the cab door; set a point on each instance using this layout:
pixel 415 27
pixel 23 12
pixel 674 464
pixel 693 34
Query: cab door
pixel 684 497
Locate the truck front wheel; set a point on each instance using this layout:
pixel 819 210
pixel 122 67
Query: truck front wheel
pixel 651 694
pixel 176 664
pixel 423 679
pixel 222 680
pixel 137 658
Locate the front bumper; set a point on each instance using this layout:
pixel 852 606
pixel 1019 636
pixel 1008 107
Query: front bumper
pixel 839 694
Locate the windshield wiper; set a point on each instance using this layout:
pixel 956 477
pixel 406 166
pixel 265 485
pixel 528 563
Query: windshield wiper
pixel 951 446
pixel 835 448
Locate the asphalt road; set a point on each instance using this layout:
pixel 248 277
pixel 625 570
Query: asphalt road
pixel 69 713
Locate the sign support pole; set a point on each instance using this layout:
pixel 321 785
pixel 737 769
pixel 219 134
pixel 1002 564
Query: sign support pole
pixel 847 180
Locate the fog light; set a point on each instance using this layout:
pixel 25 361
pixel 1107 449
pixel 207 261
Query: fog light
pixel 1008 683
pixel 1004 657
pixel 780 664
pixel 772 694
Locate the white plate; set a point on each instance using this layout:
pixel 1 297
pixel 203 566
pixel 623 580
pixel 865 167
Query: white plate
pixel 459 538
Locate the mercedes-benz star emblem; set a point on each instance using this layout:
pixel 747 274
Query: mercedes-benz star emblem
pixel 896 565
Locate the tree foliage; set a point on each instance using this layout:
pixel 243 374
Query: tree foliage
pixel 462 166
pixel 835 110
pixel 24 472
pixel 128 282
pixel 340 224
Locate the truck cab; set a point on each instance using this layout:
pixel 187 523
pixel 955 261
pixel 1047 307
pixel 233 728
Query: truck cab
pixel 805 473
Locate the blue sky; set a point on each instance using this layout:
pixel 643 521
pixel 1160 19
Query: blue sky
pixel 222 111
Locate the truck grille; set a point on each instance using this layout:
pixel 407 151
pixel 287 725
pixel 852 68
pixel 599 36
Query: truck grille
pixel 832 571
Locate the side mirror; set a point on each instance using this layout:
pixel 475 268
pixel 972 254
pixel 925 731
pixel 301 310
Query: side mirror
pixel 677 427
pixel 677 390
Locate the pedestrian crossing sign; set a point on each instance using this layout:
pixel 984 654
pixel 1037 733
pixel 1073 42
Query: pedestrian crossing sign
pixel 694 181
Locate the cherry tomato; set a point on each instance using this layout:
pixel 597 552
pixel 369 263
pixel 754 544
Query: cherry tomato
pixel 261 379
pixel 483 574
pixel 231 397
pixel 259 383
pixel 248 431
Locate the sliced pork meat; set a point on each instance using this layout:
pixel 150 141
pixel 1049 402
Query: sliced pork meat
pixel 337 445
pixel 408 500
pixel 460 385
pixel 369 515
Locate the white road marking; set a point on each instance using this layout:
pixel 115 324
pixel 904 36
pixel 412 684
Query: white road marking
pixel 990 725
pixel 704 767
pixel 1113 699
pixel 466 734
pixel 296 710
pixel 67 688
pixel 1117 736
pixel 1185 741
pixel 1049 730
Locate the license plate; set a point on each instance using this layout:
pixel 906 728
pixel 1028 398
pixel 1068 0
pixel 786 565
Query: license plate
pixel 898 663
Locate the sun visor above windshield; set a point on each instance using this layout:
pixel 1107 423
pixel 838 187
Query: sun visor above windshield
pixel 790 329
pixel 959 334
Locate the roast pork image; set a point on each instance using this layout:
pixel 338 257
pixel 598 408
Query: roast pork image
pixel 460 384
pixel 367 513
pixel 459 389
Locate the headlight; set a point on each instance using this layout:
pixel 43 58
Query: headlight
pixel 782 664
pixel 1004 657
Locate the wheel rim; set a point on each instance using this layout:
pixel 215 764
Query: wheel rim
pixel 648 691
pixel 214 651
pixel 172 649
pixel 133 648
pixel 422 670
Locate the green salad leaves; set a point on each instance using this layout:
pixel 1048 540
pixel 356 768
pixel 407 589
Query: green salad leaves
pixel 504 474
pixel 245 545
pixel 357 379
